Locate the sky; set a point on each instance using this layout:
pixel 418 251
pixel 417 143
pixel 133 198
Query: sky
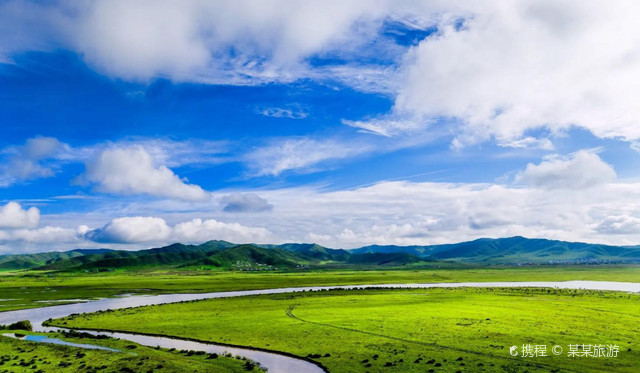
pixel 131 124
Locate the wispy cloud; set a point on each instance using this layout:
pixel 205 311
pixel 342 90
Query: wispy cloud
pixel 283 112
pixel 39 157
pixel 300 154
pixel 391 125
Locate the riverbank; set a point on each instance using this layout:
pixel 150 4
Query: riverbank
pixel 33 289
pixel 406 329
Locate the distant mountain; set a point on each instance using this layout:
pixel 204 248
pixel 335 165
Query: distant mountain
pixel 227 255
pixel 314 251
pixel 249 256
pixel 420 251
pixel 27 261
pixel 398 258
pixel 172 255
pixel 516 250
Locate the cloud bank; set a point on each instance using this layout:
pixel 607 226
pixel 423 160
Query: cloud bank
pixel 139 230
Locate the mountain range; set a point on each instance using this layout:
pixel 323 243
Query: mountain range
pixel 251 257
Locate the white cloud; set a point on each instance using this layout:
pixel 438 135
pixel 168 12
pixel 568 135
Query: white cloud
pixel 245 202
pixel 521 65
pixel 620 224
pixel 528 142
pixel 135 230
pixel 172 153
pixel 198 230
pixel 39 157
pixel 499 69
pixel 401 212
pixel 222 41
pixel 42 157
pixel 286 112
pixel 12 215
pixel 132 170
pixel 300 154
pixel 582 170
pixel 45 235
pixel 390 125
pixel 131 230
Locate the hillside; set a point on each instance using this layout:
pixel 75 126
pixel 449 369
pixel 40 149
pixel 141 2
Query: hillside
pixel 27 261
pixel 227 255
pixel 516 250
pixel 421 251
pixel 172 255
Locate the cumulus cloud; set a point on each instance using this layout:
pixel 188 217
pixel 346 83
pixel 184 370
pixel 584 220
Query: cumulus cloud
pixel 508 67
pixel 198 230
pixel 169 152
pixel 499 69
pixel 400 212
pixel 222 41
pixel 44 236
pixel 133 230
pixel 132 170
pixel 407 213
pixel 39 157
pixel 245 202
pixel 620 224
pixel 583 169
pixel 12 215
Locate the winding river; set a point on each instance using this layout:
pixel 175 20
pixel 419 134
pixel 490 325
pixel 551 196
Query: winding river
pixel 275 362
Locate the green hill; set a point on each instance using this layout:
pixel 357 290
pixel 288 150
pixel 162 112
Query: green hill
pixel 381 259
pixel 28 261
pixel 172 255
pixel 420 251
pixel 312 251
pixel 227 255
pixel 515 250
pixel 251 256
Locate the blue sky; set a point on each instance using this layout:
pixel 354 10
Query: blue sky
pixel 131 124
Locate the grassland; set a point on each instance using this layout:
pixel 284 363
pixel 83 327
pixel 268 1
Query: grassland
pixel 24 356
pixel 405 330
pixel 30 289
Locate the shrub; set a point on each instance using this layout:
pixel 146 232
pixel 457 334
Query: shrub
pixel 22 325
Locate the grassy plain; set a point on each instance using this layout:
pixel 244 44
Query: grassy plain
pixel 24 356
pixel 419 330
pixel 30 289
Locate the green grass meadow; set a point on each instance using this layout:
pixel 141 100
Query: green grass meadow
pixel 375 330
pixel 25 356
pixel 30 289
pixel 448 330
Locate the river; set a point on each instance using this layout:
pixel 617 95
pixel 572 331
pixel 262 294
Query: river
pixel 276 363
